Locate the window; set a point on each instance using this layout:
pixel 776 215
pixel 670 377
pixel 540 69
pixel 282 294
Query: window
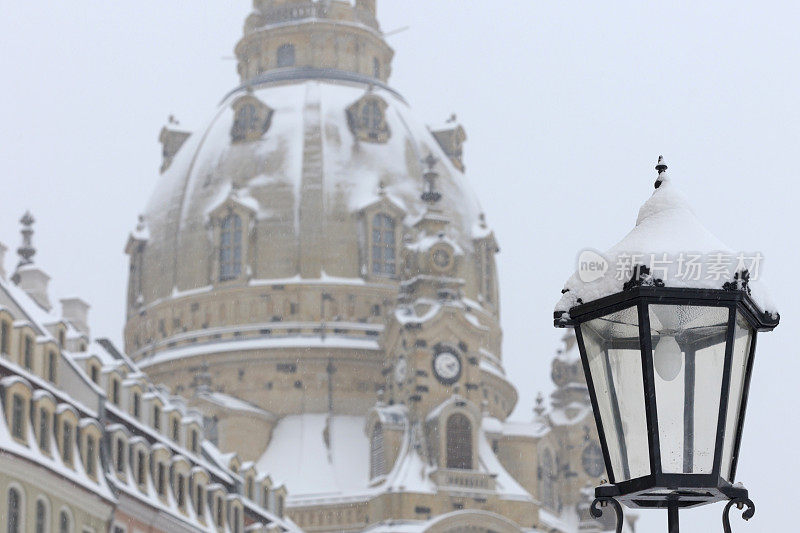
pixel 120 462
pixel 140 459
pixel 371 115
pixel 18 417
pixel 279 510
pixel 90 456
pixel 14 511
pixel 64 522
pixel 286 55
pixel 51 367
pixel 377 454
pixel 61 339
pixel 220 513
pixel 95 374
pixel 230 249
pixel 194 441
pixel 41 516
pixel 265 498
pixel 44 430
pixel 459 442
pixel 4 337
pixel 157 418
pixel 181 490
pixel 237 526
pixel 27 355
pixel 376 68
pixel 162 480
pixel 546 479
pixel 367 119
pixel 115 391
pixel 250 488
pixel 66 443
pixel 198 503
pixel 136 405
pixel 176 429
pixel 246 121
pixel 383 246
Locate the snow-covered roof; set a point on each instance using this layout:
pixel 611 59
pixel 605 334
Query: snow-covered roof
pixel 318 456
pixel 666 237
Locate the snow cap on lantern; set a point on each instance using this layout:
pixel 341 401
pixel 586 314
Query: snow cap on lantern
pixel 668 247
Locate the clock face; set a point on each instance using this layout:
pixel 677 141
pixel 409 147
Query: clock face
pixel 447 367
pixel 592 460
pixel 441 258
pixel 400 370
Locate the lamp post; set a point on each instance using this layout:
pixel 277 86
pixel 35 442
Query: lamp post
pixel 668 359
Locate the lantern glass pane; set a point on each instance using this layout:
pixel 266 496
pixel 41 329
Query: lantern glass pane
pixel 743 337
pixel 614 355
pixel 688 344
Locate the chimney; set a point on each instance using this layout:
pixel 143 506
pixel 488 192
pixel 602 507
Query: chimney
pixel 3 249
pixel 33 280
pixel 76 312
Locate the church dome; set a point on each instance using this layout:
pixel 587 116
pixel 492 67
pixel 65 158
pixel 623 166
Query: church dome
pixel 278 229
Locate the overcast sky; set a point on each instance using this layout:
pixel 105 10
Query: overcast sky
pixel 567 106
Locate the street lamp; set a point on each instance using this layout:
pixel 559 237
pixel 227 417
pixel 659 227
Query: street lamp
pixel 668 357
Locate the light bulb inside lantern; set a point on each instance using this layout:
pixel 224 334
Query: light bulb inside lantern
pixel 667 358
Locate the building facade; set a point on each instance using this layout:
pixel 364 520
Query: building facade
pixel 88 444
pixel 314 274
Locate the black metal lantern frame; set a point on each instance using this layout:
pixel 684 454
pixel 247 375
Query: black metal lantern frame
pixel 652 486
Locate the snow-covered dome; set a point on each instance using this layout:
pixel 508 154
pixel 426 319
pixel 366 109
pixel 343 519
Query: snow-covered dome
pixel 305 181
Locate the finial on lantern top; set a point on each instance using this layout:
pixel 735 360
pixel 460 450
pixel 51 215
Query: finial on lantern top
pixel 431 195
pixel 26 251
pixel 539 409
pixel 661 168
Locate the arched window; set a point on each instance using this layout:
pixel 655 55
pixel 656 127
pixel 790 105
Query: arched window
pixel 230 249
pixel 546 479
pixel 459 442
pixel 14 511
pixel 64 522
pixel 371 115
pixel 246 121
pixel 286 55
pixel 18 416
pixel 383 246
pixel 377 454
pixel 41 516
pixel 376 68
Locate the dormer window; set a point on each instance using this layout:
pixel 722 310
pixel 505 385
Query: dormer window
pixel 18 417
pixel 157 417
pixel 367 119
pixel 91 456
pixel 27 355
pixel 5 337
pixel 230 247
pixel 52 361
pixel 44 430
pixel 286 56
pixel 252 119
pixel 136 405
pixel 66 442
pixel 384 246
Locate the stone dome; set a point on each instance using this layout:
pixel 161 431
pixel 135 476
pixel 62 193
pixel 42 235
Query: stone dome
pixel 277 233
